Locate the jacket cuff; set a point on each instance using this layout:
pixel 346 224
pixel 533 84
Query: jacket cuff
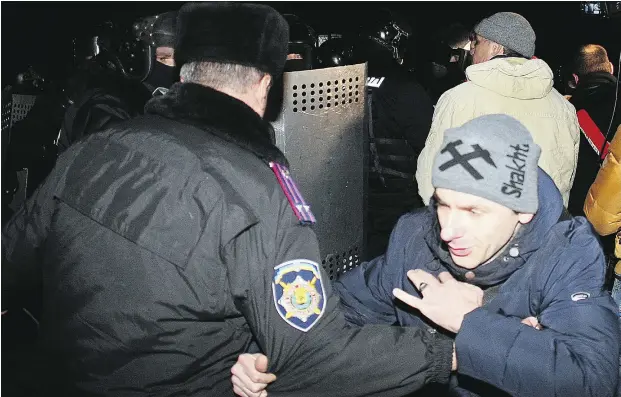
pixel 442 353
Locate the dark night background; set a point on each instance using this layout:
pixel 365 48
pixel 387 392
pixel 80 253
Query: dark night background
pixel 39 33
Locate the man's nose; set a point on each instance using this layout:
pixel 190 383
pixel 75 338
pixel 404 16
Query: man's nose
pixel 451 229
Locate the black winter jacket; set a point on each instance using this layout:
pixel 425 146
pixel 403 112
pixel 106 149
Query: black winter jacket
pixel 595 94
pixel 167 247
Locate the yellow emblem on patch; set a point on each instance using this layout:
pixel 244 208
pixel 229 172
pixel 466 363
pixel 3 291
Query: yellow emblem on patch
pixel 299 294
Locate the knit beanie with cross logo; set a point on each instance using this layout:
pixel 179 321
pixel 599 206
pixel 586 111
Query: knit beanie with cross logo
pixel 492 156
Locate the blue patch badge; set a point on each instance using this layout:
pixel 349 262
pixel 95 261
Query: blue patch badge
pixel 299 294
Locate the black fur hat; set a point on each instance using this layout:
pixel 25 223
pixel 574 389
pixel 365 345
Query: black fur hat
pixel 239 33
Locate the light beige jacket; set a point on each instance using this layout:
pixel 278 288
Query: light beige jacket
pixel 520 88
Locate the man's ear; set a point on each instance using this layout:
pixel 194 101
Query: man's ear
pixel 525 218
pixel 612 68
pixel 576 79
pixel 266 82
pixel 497 49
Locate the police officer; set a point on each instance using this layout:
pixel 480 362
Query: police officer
pixel 300 56
pixel 302 43
pixel 169 244
pixel 120 74
pixel 401 113
pixel 160 36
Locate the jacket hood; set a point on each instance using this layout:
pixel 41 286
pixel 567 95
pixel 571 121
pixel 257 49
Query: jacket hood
pixel 517 78
pixel 527 240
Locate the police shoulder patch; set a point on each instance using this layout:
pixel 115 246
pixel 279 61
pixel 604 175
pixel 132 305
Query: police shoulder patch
pixel 299 294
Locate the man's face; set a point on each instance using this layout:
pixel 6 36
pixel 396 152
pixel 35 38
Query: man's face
pixel 482 49
pixel 165 55
pixel 475 229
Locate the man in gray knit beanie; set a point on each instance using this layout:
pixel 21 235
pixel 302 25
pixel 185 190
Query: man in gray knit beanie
pixel 489 166
pixel 509 30
pixel 493 157
pixel 494 250
pixel 505 78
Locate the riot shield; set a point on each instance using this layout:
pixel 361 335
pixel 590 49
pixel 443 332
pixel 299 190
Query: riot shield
pixel 7 106
pixel 321 131
pixel 20 105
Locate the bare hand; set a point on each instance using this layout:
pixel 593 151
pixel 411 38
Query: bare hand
pixel 445 300
pixel 532 322
pixel 250 377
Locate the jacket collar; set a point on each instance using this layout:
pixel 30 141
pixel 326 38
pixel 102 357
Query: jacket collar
pixel 597 79
pixel 526 241
pixel 597 84
pixel 500 56
pixel 218 114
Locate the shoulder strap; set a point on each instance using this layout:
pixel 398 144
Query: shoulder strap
pixel 593 134
pixel 300 207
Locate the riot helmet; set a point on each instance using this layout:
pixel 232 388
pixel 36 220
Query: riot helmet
pixel 158 32
pixel 388 32
pixel 163 30
pixel 335 52
pixel 302 43
pixel 110 48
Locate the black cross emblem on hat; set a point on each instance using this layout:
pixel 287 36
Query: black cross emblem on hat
pixel 464 159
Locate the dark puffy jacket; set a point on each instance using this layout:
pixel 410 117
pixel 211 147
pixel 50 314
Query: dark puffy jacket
pixel 158 243
pixel 101 101
pixel 557 265
pixel 595 94
pixel 402 112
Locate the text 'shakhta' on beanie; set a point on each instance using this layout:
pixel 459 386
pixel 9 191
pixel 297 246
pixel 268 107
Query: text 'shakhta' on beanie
pixel 237 33
pixel 510 30
pixel 493 157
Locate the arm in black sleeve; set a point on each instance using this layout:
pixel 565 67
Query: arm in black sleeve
pixel 97 111
pixel 416 115
pixel 331 358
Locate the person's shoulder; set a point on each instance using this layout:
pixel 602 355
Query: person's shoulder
pixel 573 246
pixel 177 145
pixel 462 93
pixel 576 232
pixel 415 223
pixel 410 235
pixel 559 100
